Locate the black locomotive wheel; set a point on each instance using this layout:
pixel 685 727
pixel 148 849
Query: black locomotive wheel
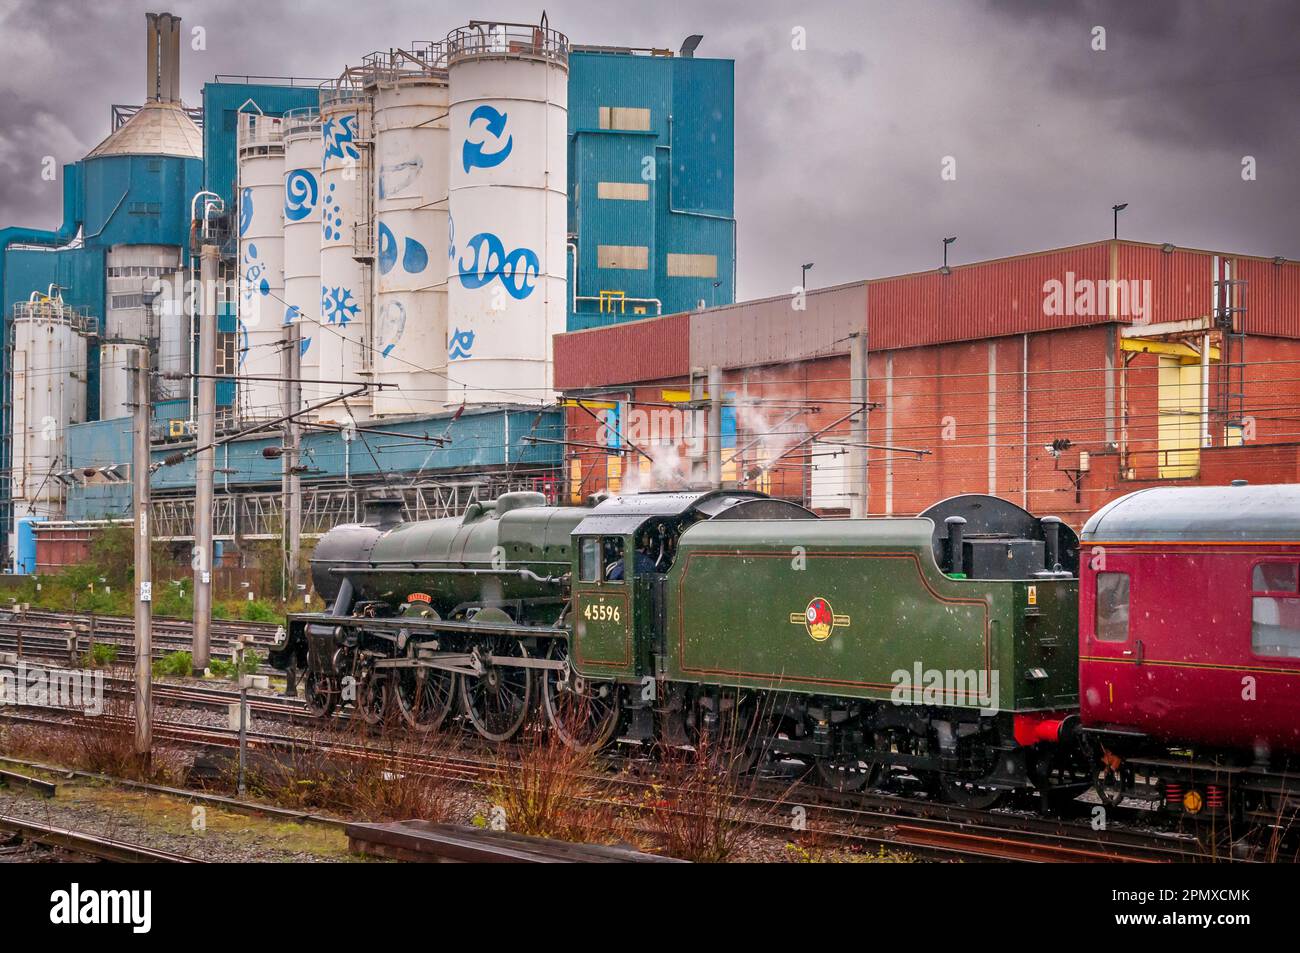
pixel 319 696
pixel 424 697
pixel 498 701
pixel 583 713
pixel 847 774
pixel 371 698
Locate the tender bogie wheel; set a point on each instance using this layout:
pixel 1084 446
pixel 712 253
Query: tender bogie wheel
pixel 974 794
pixel 847 774
pixel 583 713
pixel 498 702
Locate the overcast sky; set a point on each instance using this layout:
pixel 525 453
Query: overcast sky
pixel 839 146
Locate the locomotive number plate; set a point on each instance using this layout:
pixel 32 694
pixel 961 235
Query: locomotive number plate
pixel 602 612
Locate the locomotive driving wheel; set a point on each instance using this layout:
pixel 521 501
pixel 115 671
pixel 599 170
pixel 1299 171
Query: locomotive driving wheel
pixel 498 701
pixel 319 695
pixel 424 696
pixel 371 697
pixel 583 713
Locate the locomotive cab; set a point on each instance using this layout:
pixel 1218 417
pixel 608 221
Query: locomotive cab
pixel 622 552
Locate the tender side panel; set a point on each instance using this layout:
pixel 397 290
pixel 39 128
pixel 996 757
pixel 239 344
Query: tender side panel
pixel 878 619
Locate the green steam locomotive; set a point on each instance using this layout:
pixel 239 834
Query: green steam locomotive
pixel 939 649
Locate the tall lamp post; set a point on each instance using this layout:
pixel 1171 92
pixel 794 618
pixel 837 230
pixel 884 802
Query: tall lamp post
pixel 1115 210
pixel 803 275
pixel 946 243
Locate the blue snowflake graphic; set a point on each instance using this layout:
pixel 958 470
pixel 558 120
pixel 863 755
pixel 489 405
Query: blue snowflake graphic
pixel 338 306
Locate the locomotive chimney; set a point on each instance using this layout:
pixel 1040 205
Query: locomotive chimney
pixel 1052 534
pixel 956 526
pixel 383 513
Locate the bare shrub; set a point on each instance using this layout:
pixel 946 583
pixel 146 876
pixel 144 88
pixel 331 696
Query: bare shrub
pixel 543 788
pixel 698 808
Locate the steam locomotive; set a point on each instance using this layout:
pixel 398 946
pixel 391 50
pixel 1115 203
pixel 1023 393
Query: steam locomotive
pixel 941 646
pixel 965 650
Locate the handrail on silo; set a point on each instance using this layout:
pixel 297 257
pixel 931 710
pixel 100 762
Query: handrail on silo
pixel 485 39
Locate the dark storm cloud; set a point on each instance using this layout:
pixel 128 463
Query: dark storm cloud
pixel 839 145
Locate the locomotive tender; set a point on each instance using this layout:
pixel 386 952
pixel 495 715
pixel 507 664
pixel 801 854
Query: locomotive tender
pixel 942 647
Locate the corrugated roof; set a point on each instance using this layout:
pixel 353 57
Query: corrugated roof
pixel 157 129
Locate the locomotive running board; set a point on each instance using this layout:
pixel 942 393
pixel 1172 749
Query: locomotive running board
pixel 466 664
pixel 396 623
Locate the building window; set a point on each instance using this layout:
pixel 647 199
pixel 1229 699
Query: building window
pixel 629 118
pixel 628 191
pixel 1111 624
pixel 692 266
pixel 634 257
pixel 1275 616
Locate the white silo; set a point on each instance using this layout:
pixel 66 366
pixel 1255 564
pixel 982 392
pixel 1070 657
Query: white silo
pixel 302 237
pixel 133 276
pixel 346 246
pixel 261 264
pixel 49 392
pixel 409 333
pixel 509 174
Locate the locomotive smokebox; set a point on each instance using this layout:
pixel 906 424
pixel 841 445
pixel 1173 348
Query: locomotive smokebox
pixel 351 543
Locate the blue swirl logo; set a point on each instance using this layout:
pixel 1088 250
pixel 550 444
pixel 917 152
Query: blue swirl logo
pixel 300 194
pixel 337 136
pixel 460 343
pixel 245 210
pixel 472 153
pixel 517 269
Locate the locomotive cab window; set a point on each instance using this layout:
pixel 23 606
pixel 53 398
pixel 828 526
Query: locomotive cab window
pixel 1112 607
pixel 589 559
pixel 1275 610
pixel 612 558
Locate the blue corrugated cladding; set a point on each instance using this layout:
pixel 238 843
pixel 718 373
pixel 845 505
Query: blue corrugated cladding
pixel 478 440
pixel 221 105
pixel 139 200
pixel 687 161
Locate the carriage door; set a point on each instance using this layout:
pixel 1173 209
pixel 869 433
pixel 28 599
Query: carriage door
pixel 602 607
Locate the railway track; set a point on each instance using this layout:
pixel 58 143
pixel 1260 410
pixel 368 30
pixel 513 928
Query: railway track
pixel 83 844
pixel 862 819
pixel 874 822
pixel 67 637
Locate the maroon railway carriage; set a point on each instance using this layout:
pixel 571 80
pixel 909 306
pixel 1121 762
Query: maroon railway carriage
pixel 1189 644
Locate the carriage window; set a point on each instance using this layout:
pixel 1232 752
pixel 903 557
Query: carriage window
pixel 1112 607
pixel 1275 627
pixel 1275 619
pixel 589 560
pixel 1275 577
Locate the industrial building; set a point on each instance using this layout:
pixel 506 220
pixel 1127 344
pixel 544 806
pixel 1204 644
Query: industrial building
pixel 1059 380
pixel 571 186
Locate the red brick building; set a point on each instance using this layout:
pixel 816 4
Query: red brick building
pixel 1157 365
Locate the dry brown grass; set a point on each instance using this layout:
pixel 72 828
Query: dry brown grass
pixel 541 787
pixel 391 781
pixel 103 743
pixel 698 809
